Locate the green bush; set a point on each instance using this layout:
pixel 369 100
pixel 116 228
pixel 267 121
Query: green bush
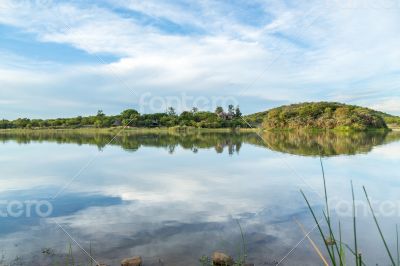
pixel 323 115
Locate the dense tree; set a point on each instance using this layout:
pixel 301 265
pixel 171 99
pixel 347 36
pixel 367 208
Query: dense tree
pixel 129 113
pixel 219 110
pixel 238 113
pixel 171 111
pixel 307 115
pixel 129 117
pixel 231 110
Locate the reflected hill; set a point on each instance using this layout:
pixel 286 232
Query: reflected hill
pixel 327 143
pixel 302 143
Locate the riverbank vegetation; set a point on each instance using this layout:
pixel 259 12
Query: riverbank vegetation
pixel 132 118
pixel 316 115
pixel 324 115
pixel 338 252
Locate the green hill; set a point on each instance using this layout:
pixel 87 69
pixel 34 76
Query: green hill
pixel 256 119
pixel 325 115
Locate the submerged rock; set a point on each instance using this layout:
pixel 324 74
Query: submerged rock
pixel 135 261
pixel 221 259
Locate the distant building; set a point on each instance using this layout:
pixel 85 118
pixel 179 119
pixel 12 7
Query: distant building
pixel 225 116
pixel 117 123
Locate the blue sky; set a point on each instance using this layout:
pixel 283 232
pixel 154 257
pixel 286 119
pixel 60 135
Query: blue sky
pixel 67 58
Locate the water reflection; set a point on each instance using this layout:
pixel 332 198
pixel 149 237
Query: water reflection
pixel 131 141
pixel 141 200
pixel 61 206
pixel 328 143
pixel 294 142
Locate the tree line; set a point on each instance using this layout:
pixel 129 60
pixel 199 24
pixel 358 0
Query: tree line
pixel 231 118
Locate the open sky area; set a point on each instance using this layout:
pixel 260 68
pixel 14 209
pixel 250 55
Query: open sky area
pixel 69 58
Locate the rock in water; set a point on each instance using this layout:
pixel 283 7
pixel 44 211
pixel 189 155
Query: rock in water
pixel 135 261
pixel 221 259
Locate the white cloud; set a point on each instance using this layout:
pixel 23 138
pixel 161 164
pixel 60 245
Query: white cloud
pixel 388 105
pixel 313 52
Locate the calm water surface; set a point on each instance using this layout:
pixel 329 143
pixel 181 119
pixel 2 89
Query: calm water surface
pixel 172 198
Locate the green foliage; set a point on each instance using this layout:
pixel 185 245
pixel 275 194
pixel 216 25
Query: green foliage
pixel 219 110
pixel 238 113
pixel 324 115
pixel 255 120
pixel 318 115
pixel 171 111
pixel 231 110
pixel 132 118
pixel 129 116
pixel 392 120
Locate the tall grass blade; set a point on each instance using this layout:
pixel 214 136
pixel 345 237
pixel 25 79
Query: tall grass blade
pixel 379 228
pixel 326 200
pixel 319 228
pixel 333 240
pixel 244 252
pixel 342 254
pixel 325 190
pixel 354 224
pixel 352 251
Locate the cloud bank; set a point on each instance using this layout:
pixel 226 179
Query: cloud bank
pixel 65 58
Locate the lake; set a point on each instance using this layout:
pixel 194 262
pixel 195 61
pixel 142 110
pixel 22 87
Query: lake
pixel 172 198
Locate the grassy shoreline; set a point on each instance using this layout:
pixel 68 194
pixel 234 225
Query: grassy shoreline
pixel 132 130
pixel 185 129
pixel 144 130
